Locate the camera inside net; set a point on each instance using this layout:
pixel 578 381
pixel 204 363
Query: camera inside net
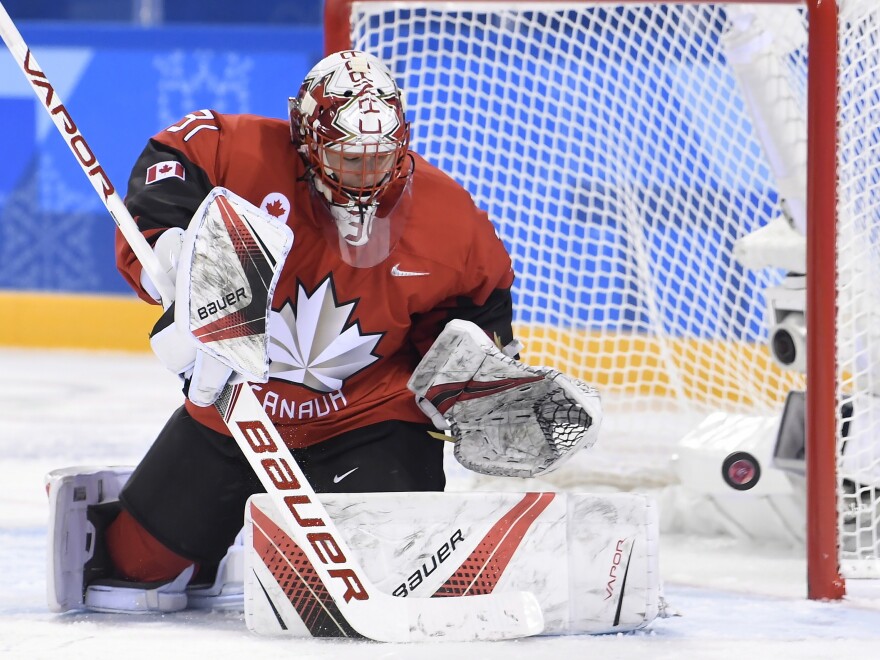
pixel 787 323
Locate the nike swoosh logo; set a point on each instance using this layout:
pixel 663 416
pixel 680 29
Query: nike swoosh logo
pixel 339 477
pixel 395 270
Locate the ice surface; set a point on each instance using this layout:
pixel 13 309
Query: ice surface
pixel 77 408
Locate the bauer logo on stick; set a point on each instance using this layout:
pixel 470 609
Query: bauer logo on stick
pixel 306 512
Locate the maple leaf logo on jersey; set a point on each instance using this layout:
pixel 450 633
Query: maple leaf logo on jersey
pixel 316 345
pixel 277 205
pixel 275 209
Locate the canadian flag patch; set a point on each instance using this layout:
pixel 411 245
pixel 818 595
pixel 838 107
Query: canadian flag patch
pixel 165 170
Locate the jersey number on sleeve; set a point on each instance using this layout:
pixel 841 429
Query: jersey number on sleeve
pixel 203 119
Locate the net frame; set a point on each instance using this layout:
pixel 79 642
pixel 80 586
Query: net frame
pixel 823 564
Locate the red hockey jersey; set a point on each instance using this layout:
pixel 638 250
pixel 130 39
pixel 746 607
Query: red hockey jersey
pixel 344 340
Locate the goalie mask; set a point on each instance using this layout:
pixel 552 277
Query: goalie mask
pixel 349 125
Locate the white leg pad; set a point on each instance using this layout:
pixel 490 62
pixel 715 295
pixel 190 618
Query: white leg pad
pixel 591 560
pixel 71 537
pixel 71 545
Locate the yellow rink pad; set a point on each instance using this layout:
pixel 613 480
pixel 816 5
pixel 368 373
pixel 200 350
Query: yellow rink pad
pixel 697 369
pixel 706 370
pixel 46 320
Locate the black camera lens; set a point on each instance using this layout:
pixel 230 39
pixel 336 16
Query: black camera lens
pixel 784 347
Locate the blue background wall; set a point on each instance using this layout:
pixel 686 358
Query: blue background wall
pixel 303 12
pixel 121 84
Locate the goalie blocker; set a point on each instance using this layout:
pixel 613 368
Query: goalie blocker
pixel 591 560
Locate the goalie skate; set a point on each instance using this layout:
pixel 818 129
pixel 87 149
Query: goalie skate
pixel 226 591
pixel 121 597
pixel 82 502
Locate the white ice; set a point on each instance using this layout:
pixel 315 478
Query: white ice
pixel 60 408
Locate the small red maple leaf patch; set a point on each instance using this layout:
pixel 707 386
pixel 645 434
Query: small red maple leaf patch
pixel 275 209
pixel 165 169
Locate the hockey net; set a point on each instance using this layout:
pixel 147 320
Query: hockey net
pixel 622 148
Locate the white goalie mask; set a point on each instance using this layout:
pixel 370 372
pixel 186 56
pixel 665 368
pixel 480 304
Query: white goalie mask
pixel 348 122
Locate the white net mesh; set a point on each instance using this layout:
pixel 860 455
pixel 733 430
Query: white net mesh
pixel 620 158
pixel 858 278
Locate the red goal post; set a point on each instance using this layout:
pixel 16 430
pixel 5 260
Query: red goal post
pixel 821 200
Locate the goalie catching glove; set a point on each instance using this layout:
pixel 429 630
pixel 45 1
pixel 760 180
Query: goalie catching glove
pixel 507 418
pixel 225 268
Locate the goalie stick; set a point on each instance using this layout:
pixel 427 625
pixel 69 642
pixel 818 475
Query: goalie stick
pixel 367 611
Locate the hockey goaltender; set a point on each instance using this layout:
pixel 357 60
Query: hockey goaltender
pixel 386 331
